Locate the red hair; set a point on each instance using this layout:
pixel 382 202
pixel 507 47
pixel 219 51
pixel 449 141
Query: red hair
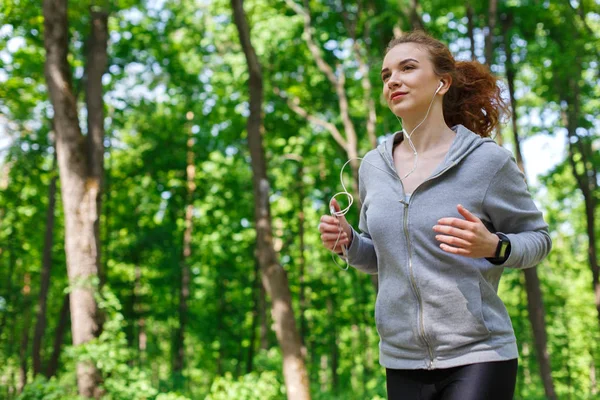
pixel 473 99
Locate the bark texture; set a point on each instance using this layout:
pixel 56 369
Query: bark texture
pixel 59 334
pixel 79 161
pixel 40 324
pixel 273 276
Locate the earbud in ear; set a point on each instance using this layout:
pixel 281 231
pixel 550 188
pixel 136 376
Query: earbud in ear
pixel 439 87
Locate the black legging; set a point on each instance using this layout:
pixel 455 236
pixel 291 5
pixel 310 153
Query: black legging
pixel 482 381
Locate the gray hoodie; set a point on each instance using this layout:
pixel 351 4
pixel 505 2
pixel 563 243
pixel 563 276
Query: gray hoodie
pixel 435 309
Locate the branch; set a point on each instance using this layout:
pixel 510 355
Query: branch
pixel 338 82
pixel 415 19
pixel 97 59
pixel 351 25
pixel 363 68
pixel 294 105
pixel 58 73
pixel 314 49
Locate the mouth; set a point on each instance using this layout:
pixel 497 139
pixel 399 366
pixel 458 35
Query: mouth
pixel 397 95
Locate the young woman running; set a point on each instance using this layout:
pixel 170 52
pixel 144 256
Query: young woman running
pixel 444 211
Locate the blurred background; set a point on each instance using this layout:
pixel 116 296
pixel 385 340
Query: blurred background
pixel 171 250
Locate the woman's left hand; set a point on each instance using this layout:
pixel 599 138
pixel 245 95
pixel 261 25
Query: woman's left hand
pixel 466 237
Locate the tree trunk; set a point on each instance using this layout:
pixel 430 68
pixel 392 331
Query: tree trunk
pixel 580 153
pixel 107 201
pixel 11 350
pixel 363 62
pixel 263 315
pixel 338 81
pixel 470 28
pixel 138 309
pixel 80 173
pixel 593 380
pixel 9 295
pixel 25 334
pixel 535 307
pixel 333 342
pixel 301 259
pixel 535 303
pixel 489 53
pixel 95 68
pixel 184 293
pixel 273 275
pixel 519 327
pixel 565 321
pixel 489 38
pixel 40 325
pixel 255 312
pixel 59 335
pixel 361 323
pixel 220 323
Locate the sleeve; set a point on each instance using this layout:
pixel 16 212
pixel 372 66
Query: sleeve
pixel 511 210
pixel 361 253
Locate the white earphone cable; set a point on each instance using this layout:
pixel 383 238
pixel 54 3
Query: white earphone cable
pixel 337 214
pixel 345 210
pixel 408 136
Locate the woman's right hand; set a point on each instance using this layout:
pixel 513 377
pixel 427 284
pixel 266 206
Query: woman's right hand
pixel 331 227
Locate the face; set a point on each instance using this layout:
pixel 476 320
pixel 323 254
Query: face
pixel 409 82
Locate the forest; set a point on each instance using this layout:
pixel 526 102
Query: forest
pixel 164 165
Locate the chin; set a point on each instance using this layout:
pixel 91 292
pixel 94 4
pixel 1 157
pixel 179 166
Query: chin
pixel 407 109
pixel 399 111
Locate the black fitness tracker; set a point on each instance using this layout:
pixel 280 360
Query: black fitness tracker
pixel 502 250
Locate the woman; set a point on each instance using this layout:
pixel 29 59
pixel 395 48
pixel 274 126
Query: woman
pixel 444 211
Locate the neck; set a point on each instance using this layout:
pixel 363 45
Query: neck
pixel 430 134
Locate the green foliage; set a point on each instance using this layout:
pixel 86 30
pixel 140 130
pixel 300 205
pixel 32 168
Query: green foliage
pixel 170 396
pixel 177 67
pixel 112 356
pixel 43 389
pixel 248 387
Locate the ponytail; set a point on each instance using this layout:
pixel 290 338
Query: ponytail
pixel 474 99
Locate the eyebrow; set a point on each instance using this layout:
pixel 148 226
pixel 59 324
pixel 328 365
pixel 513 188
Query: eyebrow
pixel 400 64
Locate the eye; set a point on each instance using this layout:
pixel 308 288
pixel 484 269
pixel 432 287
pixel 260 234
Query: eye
pixel 407 67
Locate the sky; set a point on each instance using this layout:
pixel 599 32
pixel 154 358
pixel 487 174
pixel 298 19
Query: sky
pixel 542 153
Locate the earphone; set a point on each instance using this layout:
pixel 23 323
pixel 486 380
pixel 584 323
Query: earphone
pixel 408 136
pixel 345 210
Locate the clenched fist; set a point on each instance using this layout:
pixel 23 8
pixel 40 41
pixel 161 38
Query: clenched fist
pixel 333 227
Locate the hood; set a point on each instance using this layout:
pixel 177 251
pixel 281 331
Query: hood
pixel 464 143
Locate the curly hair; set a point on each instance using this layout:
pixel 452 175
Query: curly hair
pixel 474 98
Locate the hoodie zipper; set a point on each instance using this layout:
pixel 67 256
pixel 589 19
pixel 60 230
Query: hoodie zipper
pixel 410 267
pixel 414 286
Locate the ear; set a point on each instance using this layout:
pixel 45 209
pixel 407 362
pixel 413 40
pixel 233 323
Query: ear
pixel 446 83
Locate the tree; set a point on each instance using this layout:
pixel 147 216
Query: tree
pixel 40 324
pixel 184 293
pixel 273 276
pixel 80 161
pixel 535 302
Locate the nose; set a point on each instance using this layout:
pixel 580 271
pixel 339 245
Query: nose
pixel 393 81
